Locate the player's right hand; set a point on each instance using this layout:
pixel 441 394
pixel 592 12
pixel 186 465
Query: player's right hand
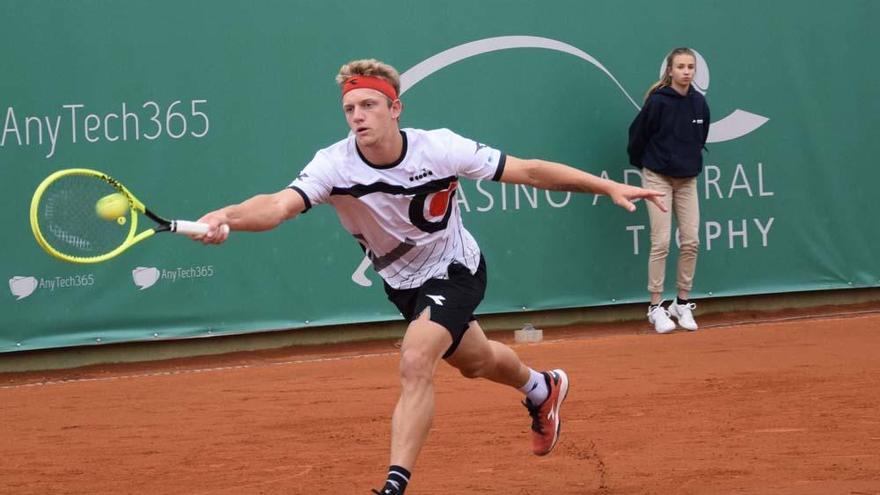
pixel 218 232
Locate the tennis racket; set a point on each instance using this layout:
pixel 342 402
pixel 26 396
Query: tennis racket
pixel 85 216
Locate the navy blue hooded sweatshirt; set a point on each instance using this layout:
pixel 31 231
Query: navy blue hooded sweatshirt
pixel 668 134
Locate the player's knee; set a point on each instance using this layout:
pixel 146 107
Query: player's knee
pixel 415 365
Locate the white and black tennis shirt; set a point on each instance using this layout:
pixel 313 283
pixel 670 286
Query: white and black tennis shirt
pixel 404 214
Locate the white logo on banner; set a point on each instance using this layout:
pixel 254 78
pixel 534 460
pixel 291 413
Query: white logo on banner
pixel 145 277
pixel 21 287
pixel 737 124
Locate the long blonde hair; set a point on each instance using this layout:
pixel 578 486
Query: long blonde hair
pixel 666 79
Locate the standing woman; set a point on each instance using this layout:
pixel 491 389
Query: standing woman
pixel 666 140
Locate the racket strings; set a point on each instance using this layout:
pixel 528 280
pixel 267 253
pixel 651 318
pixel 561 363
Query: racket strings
pixel 69 222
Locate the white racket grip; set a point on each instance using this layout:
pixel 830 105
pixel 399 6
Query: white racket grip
pixel 186 227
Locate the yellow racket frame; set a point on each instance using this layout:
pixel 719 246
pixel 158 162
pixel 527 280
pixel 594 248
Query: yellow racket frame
pixel 135 206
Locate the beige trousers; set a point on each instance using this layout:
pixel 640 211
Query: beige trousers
pixel 681 198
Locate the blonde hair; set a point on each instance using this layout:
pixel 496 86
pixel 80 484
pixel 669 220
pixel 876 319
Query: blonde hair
pixel 666 79
pixel 369 67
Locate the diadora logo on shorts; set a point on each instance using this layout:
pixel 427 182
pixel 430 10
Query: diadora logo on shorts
pixel 438 300
pixel 737 124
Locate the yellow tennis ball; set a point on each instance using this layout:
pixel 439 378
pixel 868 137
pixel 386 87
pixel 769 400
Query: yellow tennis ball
pixel 112 206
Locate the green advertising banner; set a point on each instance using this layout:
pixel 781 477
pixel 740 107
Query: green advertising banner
pixel 194 105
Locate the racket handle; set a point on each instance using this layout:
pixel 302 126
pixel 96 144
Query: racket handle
pixel 186 227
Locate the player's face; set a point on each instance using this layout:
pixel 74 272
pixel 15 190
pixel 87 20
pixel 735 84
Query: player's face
pixel 369 116
pixel 682 70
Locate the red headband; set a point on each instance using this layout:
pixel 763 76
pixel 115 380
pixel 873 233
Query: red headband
pixel 369 82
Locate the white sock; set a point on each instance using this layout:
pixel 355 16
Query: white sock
pixel 536 388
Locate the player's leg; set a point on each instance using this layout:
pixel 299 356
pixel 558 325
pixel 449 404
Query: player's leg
pixel 423 345
pixel 421 350
pixel 478 357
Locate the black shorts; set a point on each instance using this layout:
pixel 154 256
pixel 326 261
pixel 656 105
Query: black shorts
pixel 452 300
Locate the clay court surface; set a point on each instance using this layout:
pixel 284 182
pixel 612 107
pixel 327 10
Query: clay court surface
pixel 772 404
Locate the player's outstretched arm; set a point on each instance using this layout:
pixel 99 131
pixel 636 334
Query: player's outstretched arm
pixel 261 212
pixel 559 177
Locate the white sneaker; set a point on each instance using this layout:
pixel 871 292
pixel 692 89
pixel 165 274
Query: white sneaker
pixel 684 314
pixel 660 318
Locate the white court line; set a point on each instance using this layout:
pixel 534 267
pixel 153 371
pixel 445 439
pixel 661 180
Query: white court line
pixel 766 321
pixel 193 371
pixel 784 319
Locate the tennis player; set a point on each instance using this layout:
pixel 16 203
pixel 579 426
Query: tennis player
pixel 394 191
